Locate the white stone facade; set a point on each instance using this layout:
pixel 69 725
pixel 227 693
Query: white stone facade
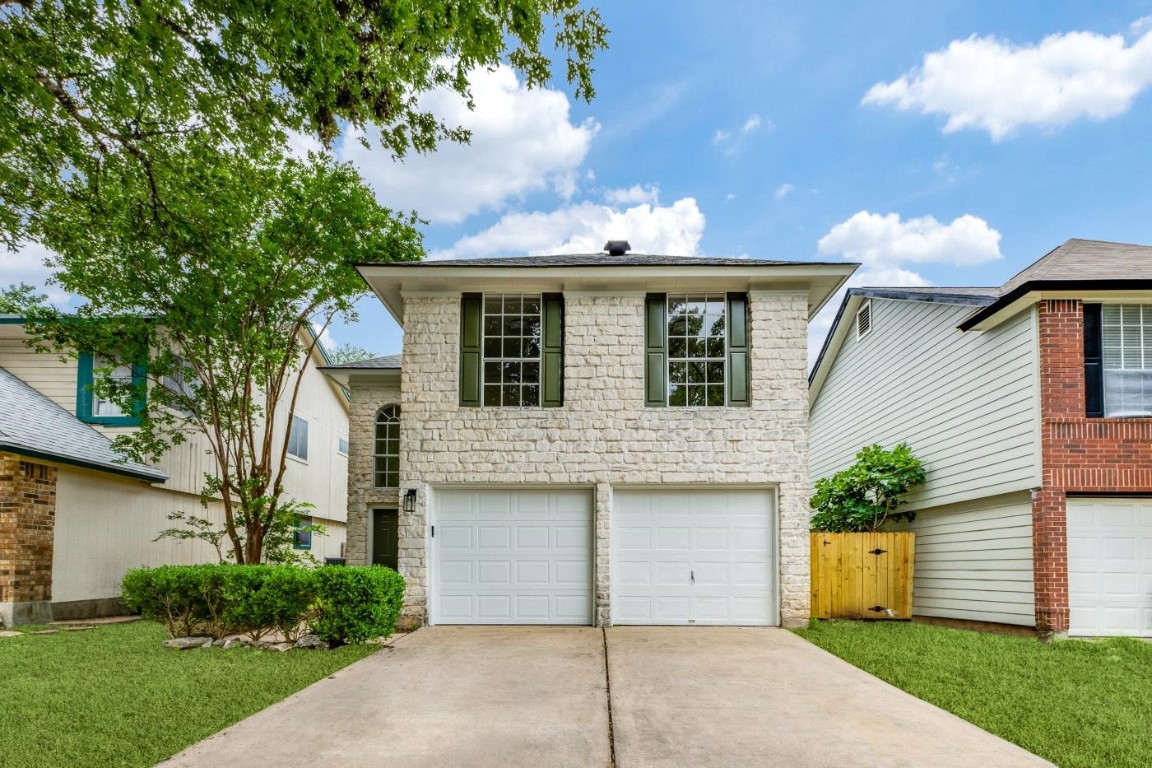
pixel 602 438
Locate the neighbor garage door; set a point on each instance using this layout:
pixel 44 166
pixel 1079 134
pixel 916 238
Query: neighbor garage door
pixel 693 557
pixel 1110 566
pixel 504 556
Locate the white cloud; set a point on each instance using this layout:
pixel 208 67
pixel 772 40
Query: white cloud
pixel 636 193
pixel 522 141
pixel 733 141
pixel 783 191
pixel 886 245
pixel 993 85
pixel 729 197
pixel 27 266
pixel 584 228
pixel 886 241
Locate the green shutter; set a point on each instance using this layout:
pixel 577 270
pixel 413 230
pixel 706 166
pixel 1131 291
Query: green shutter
pixel 738 349
pixel 552 352
pixel 470 359
pixel 655 358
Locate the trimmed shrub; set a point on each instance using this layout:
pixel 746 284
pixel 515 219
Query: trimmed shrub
pixel 355 604
pixel 262 598
pixel 340 604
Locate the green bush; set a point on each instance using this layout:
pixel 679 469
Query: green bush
pixel 865 496
pixel 355 604
pixel 340 604
pixel 262 598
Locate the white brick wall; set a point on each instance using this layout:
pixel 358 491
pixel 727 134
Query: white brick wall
pixel 603 436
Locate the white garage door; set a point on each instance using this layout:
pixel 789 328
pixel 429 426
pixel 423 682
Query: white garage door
pixel 512 557
pixel 1110 567
pixel 693 557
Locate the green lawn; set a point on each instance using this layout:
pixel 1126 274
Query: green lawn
pixel 1075 703
pixel 114 696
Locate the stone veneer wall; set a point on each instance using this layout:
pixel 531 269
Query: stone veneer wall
pixel 367 399
pixel 603 436
pixel 27 527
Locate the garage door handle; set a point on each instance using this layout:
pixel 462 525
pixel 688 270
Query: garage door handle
pixel 692 575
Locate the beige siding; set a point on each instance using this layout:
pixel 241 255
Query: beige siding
pixel 106 525
pixel 974 561
pixel 967 403
pixel 45 372
pixel 323 479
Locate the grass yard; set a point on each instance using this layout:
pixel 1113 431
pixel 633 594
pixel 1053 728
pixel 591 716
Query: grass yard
pixel 114 696
pixel 1075 703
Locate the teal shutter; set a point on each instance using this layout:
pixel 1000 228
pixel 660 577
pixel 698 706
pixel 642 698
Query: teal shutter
pixel 470 359
pixel 84 387
pixel 552 351
pixel 738 384
pixel 655 355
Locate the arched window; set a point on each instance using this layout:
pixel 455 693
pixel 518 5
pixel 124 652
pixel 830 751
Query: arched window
pixel 386 472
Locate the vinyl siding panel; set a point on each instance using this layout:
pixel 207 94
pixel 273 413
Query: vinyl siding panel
pixel 974 561
pixel 42 371
pixel 966 403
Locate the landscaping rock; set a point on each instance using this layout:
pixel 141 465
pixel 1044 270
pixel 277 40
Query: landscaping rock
pixel 9 633
pixel 280 647
pixel 312 641
pixel 44 632
pixel 233 642
pixel 185 643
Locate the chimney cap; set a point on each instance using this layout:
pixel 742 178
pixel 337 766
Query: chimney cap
pixel 617 247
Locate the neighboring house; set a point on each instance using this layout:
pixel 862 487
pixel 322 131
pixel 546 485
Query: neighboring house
pixel 589 439
pixel 1031 407
pixel 74 517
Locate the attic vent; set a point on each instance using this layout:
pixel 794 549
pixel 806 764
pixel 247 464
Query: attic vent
pixel 617 247
pixel 864 320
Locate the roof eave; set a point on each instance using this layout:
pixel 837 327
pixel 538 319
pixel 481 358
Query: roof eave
pixel 345 376
pixel 155 476
pixel 1029 293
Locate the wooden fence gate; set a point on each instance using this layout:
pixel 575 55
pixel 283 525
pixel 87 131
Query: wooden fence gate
pixel 862 575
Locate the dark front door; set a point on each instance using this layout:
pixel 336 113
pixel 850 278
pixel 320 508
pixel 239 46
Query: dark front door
pixel 385 537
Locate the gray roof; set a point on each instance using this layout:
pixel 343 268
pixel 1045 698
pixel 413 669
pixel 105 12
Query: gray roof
pixel 1088 260
pixel 375 363
pixel 946 294
pixel 33 425
pixel 601 260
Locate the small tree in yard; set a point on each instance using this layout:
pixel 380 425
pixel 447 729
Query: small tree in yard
pixel 865 496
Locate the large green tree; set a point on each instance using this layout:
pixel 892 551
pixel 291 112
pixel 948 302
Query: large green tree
pixel 216 299
pixel 87 85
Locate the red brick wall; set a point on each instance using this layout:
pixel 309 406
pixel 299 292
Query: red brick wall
pixel 27 527
pixel 1080 455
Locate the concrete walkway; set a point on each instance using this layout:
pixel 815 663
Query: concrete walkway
pixel 503 696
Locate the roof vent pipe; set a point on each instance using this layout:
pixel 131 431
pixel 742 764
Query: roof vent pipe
pixel 617 247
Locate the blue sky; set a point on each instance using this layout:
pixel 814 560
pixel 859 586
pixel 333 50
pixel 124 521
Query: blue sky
pixel 946 143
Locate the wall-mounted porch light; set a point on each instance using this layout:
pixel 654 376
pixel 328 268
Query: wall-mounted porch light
pixel 410 500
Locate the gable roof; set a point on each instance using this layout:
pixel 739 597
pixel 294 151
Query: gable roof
pixel 601 272
pixel 385 368
pixel 387 362
pixel 33 425
pixel 1077 266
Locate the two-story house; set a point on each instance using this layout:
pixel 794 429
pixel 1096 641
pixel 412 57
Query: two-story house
pixel 74 516
pixel 589 439
pixel 1031 406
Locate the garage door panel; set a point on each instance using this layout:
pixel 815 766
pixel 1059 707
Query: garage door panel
pixel 703 557
pixel 507 556
pixel 1110 566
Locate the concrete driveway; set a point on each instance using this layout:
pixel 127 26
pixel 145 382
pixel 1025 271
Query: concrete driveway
pixel 626 696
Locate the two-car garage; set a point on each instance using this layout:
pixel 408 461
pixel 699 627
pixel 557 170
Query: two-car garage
pixel 527 556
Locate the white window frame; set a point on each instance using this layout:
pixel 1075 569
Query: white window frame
pixel 342 445
pixel 387 416
pixel 1142 371
pixel 690 359
pixel 293 440
pixel 485 359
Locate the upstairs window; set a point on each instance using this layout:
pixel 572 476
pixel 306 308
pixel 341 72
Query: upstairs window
pixel 298 438
pixel 1126 359
pixel 511 350
pixel 92 408
pixel 302 537
pixel 696 350
pixel 386 453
